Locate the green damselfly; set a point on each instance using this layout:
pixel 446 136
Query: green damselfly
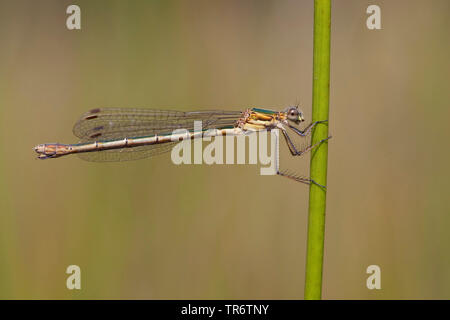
pixel 120 134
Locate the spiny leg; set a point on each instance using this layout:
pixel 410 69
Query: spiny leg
pixel 295 152
pixel 289 143
pixel 305 132
pixel 296 177
pixel 292 147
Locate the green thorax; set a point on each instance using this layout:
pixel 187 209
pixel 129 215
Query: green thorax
pixel 264 111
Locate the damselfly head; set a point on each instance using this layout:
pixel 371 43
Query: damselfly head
pixel 294 115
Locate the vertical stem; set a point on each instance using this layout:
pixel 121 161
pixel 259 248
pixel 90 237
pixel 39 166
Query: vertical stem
pixel 319 156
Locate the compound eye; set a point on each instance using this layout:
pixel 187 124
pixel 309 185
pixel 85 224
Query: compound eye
pixel 293 114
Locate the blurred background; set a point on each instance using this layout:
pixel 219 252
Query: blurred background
pixel 149 229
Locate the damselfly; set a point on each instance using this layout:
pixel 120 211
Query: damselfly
pixel 119 134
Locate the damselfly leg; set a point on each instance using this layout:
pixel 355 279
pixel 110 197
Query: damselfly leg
pixel 299 178
pixel 305 132
pixel 298 152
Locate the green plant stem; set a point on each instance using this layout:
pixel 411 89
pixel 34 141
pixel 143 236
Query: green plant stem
pixel 319 156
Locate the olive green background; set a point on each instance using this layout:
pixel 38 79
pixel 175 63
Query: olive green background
pixel 152 230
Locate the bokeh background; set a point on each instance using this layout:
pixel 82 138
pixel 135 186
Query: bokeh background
pixel 152 230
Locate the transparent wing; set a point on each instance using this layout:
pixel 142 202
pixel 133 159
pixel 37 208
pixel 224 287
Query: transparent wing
pixel 119 123
pixel 127 154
